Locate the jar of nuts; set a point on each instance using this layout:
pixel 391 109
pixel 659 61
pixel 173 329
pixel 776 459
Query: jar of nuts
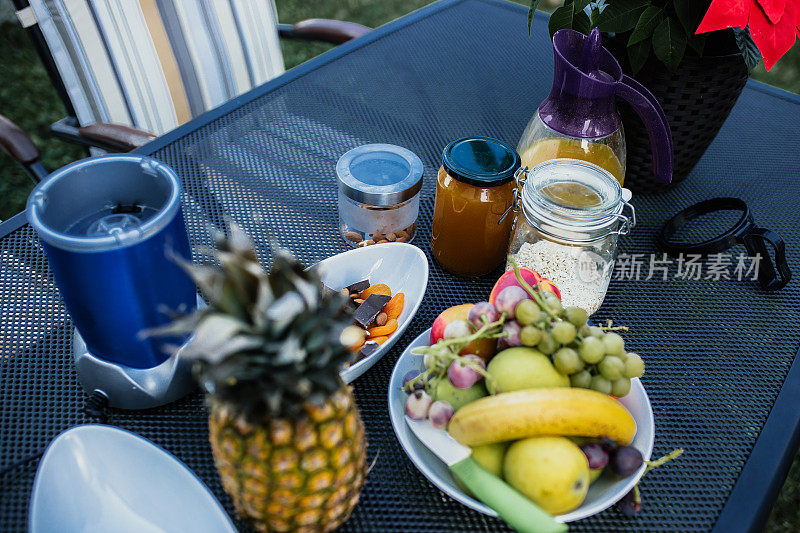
pixel 379 188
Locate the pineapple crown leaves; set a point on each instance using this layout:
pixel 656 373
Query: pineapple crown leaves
pixel 268 342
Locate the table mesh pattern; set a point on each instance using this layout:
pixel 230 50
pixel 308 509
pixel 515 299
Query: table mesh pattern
pixel 717 352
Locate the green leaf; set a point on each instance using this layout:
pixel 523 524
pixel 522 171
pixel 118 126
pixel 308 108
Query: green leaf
pixel 750 53
pixel 560 19
pixel 690 13
pixel 582 23
pixel 648 21
pixel 595 14
pixel 621 15
pixel 697 42
pixel 531 10
pixel 669 43
pixel 567 15
pixel 638 54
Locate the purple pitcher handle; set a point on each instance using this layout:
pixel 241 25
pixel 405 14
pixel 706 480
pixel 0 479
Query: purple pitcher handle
pixel 649 110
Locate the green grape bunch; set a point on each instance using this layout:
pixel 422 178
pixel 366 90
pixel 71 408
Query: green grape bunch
pixel 594 357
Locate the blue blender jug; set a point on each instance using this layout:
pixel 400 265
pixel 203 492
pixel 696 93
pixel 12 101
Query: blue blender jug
pixel 112 228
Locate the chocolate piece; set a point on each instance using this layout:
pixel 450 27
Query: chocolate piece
pixel 359 286
pixel 367 311
pixel 369 348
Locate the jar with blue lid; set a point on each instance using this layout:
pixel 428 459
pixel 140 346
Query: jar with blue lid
pixel 379 187
pixel 474 194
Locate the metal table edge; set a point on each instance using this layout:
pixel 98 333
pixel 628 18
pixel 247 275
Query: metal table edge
pixel 751 499
pixel 13 224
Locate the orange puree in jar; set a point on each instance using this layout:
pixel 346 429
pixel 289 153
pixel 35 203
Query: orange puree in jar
pixel 475 186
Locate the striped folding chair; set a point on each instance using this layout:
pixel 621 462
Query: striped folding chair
pixel 130 70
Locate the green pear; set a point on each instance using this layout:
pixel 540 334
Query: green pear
pixel 458 398
pixel 490 457
pixel 523 368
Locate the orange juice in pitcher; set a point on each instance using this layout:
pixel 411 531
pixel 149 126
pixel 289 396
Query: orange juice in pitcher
pixel 579 119
pixel 602 155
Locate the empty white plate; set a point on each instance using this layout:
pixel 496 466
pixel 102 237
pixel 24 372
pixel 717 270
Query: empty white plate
pixel 602 494
pixel 104 479
pixel 401 266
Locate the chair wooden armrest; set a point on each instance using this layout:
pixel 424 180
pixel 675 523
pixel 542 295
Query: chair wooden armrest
pixel 329 31
pixel 18 145
pixel 118 136
pixel 104 135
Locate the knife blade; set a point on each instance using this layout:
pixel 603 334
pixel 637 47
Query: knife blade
pixel 515 509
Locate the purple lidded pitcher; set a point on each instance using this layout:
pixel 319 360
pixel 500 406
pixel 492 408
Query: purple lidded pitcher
pixel 579 120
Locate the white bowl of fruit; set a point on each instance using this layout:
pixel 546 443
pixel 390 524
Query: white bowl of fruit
pixel 558 413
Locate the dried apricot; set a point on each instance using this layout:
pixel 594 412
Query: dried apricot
pixel 394 307
pixel 357 347
pixel 381 339
pixel 379 288
pixel 387 329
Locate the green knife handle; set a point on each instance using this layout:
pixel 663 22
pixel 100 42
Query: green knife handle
pixel 514 508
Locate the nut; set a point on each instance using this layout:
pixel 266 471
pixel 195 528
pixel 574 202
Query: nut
pixel 411 228
pixel 381 319
pixel 391 237
pixel 354 295
pixel 402 234
pixel 381 241
pixel 359 301
pixel 366 243
pixel 352 236
pixel 377 236
pixel 402 239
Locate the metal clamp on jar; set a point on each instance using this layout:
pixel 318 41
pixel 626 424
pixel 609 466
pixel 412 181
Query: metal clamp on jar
pixel 570 214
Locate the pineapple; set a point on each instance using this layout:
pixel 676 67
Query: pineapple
pixel 286 435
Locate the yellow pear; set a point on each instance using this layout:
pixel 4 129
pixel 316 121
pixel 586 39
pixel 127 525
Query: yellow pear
pixel 552 471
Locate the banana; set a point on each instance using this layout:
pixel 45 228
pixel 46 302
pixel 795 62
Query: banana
pixel 564 411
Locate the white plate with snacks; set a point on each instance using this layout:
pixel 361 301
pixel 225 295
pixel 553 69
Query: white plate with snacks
pixel 603 493
pixel 403 267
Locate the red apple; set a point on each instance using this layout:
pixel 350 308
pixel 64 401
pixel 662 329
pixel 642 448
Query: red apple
pixel 484 348
pixel 547 285
pixel 530 276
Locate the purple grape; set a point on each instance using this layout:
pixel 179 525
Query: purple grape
pixel 509 298
pixel 595 454
pixel 628 504
pixel 608 444
pixel 440 413
pixel 482 313
pixel 626 460
pixel 463 376
pixel 513 329
pixel 411 375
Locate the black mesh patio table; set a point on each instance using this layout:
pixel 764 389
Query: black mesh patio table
pixel 721 369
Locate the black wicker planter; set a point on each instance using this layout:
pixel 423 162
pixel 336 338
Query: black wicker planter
pixel 696 99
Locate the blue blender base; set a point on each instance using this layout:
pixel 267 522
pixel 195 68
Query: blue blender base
pixel 133 388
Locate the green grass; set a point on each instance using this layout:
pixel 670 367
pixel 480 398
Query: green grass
pixel 27 98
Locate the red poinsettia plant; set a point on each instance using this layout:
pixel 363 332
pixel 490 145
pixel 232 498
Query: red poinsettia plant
pixel 671 29
pixel 774 24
